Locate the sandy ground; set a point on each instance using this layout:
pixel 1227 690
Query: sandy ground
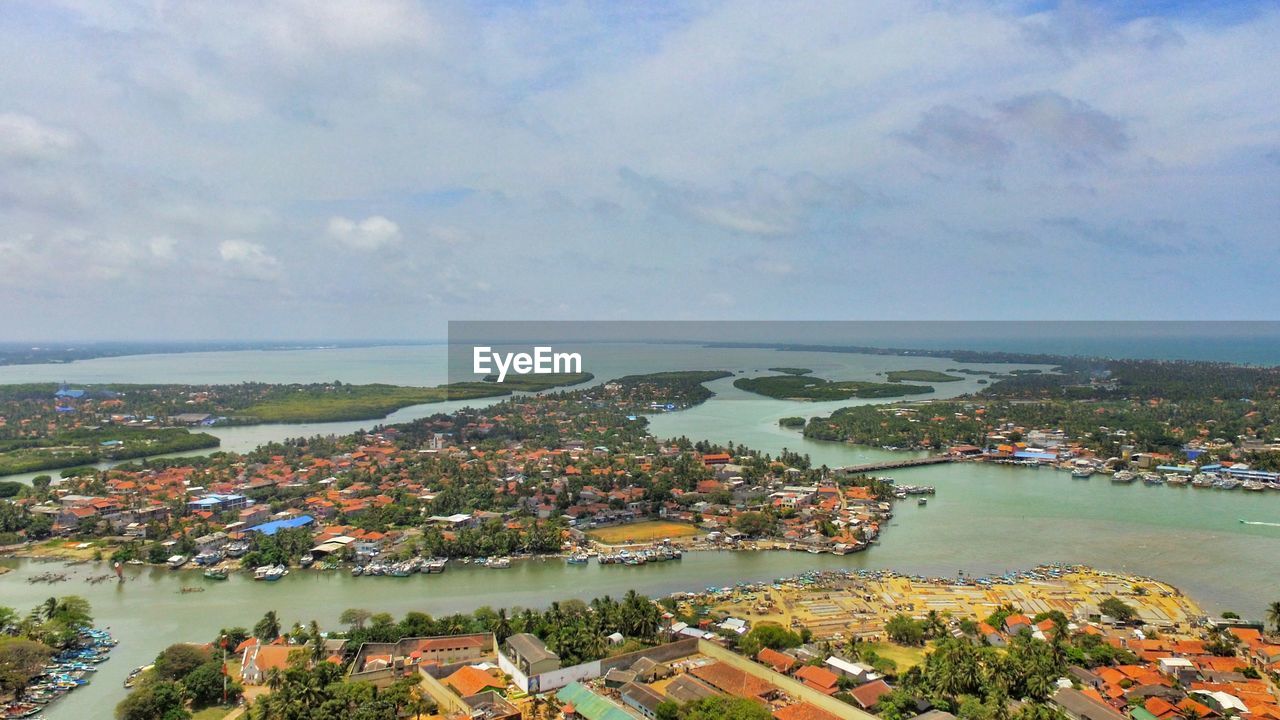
pixel 849 607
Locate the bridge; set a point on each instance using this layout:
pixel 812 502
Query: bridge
pixel 895 464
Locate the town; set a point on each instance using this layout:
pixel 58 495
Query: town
pixel 1054 642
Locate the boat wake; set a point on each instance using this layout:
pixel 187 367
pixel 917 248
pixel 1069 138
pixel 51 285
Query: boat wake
pixel 1258 522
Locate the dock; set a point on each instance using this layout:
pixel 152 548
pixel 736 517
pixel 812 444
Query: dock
pixel 895 464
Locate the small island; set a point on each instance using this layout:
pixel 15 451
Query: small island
pixel 791 370
pixel 895 376
pixel 794 387
pixel 794 421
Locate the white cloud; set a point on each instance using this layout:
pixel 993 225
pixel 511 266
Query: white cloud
pixel 248 259
pixel 626 150
pixel 24 138
pixel 372 233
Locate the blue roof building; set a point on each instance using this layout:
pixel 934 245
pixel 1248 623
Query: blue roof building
pixel 275 526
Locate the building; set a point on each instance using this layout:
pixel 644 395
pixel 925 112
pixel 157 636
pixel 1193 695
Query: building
pixel 1079 706
pixel 218 503
pixel 529 654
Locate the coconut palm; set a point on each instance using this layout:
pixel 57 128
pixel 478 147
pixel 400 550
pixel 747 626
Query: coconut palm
pixel 1273 615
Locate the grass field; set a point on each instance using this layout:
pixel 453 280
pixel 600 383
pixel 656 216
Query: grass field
pixel 904 657
pixel 647 531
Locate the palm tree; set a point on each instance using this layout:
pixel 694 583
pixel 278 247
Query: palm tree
pixel 501 626
pixel 317 642
pixel 49 608
pixel 268 628
pixel 1273 614
pixel 275 679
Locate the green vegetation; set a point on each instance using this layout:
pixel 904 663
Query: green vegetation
pixel 654 391
pixel 27 642
pixel 339 402
pixel 722 708
pixel 792 422
pixel 791 370
pixel 1118 609
pixel 814 388
pixel 976 683
pixel 767 635
pixel 920 376
pixel 85 446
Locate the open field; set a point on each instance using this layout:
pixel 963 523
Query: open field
pixel 902 656
pixel 648 531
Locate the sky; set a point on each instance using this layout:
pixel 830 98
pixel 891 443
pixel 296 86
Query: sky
pixel 279 169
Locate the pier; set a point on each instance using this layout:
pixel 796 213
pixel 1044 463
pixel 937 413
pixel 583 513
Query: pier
pixel 895 464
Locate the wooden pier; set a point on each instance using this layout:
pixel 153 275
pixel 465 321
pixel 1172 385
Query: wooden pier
pixel 895 464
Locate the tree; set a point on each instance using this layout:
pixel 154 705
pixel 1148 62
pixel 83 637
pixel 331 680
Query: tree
pixel 753 523
pixel 268 628
pixel 767 635
pixel 204 685
pixel 177 661
pixel 667 710
pixel 355 617
pixel 1118 609
pixel 160 700
pixel 21 660
pixel 1273 615
pixel 905 630
pixel 724 708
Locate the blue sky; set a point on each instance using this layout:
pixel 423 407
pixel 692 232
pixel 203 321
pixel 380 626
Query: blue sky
pixel 314 168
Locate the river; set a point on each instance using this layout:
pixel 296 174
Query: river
pixel 984 518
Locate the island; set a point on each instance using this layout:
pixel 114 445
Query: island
pixel 796 387
pixel 920 376
pixel 791 370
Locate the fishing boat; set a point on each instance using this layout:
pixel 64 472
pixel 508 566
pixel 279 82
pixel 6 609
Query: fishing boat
pixel 922 501
pixel 578 559
pixel 1202 481
pixel 1123 477
pixel 435 565
pixel 1082 473
pixel 1150 478
pixel 498 563
pixel 1176 480
pixel 275 573
pixel 215 574
pixel 176 561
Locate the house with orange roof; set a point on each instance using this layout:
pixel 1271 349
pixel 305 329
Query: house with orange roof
pixel 818 678
pixel 471 680
pixel 780 662
pixel 802 711
pixel 257 660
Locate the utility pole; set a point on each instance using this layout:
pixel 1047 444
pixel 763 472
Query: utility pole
pixel 223 643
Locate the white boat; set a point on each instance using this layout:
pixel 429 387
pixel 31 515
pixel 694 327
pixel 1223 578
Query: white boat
pixel 499 563
pixel 1123 477
pixel 176 561
pixel 1082 473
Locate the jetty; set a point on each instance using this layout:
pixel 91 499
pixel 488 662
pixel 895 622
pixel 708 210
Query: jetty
pixel 895 464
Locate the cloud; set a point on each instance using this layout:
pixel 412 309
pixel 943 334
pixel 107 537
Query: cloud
pixel 1072 126
pixel 249 260
pixel 372 233
pixel 1066 131
pixel 952 134
pixel 163 248
pixel 26 139
pixel 155 142
pixel 763 203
